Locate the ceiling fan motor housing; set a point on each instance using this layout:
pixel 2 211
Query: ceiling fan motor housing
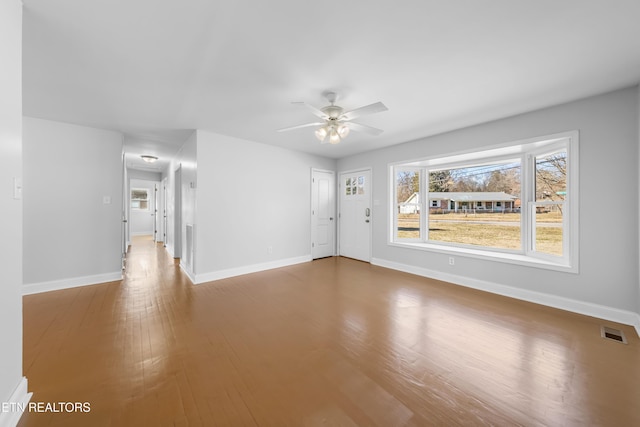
pixel 333 111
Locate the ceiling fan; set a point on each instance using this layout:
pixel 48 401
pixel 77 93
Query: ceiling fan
pixel 336 122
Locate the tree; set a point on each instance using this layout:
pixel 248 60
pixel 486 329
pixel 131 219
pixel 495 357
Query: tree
pixel 440 181
pixel 551 177
pixel 506 180
pixel 408 183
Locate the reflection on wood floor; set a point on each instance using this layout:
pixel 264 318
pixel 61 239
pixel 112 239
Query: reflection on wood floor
pixel 334 342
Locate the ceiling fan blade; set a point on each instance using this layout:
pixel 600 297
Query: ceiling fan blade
pixel 306 125
pixel 377 107
pixel 364 128
pixel 313 109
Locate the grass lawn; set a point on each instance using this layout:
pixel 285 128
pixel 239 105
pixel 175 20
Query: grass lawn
pixel 485 230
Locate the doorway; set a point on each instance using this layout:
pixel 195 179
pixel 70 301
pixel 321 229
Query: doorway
pixel 143 207
pixel 355 214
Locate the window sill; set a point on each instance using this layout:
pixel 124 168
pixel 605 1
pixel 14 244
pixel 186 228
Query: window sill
pixel 509 258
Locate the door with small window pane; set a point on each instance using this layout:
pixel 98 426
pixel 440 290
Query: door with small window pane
pixel 355 215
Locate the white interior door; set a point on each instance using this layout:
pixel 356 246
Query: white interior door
pixel 323 207
pixel 355 214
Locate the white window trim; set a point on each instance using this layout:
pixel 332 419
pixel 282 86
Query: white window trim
pixel 526 150
pixel 131 199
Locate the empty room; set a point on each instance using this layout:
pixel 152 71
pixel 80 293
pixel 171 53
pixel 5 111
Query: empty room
pixel 350 213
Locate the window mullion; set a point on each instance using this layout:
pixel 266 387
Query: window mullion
pixel 528 195
pixel 424 204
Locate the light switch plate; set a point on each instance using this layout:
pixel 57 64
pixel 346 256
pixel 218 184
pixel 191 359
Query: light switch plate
pixel 17 188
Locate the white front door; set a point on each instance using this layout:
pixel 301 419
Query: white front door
pixel 323 207
pixel 355 214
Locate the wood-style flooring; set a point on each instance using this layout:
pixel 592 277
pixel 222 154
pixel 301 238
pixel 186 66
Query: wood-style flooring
pixel 333 342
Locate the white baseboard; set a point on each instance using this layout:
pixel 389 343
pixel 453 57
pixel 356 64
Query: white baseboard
pixel 581 307
pixel 636 324
pixel 16 404
pixel 247 269
pixel 55 285
pixel 188 272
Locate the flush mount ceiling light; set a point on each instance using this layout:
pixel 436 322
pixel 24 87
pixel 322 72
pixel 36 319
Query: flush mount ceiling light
pixel 337 122
pixel 149 159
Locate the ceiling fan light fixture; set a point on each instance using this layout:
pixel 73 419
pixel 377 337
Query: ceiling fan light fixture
pixel 336 122
pixel 343 131
pixel 321 133
pixel 149 159
pixel 334 136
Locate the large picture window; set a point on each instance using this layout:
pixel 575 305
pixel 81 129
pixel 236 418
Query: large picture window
pixel 516 202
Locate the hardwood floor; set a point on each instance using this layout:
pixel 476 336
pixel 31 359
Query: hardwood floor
pixel 333 342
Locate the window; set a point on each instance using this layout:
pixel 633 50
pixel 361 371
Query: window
pixel 354 186
pixel 548 207
pixel 408 203
pixel 516 203
pixel 468 187
pixel 140 199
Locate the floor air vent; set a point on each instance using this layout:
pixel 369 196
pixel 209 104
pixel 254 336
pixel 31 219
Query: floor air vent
pixel 613 334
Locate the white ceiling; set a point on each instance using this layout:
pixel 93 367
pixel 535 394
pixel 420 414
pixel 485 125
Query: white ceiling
pixel 157 69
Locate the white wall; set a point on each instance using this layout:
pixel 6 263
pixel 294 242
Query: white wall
pixel 189 161
pixel 251 197
pixel 11 224
pixel 146 175
pixel 141 222
pixel 71 236
pixel 608 277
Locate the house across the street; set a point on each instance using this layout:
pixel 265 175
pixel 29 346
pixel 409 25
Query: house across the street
pixel 483 201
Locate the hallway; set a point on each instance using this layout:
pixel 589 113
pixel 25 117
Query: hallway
pixel 330 342
pixel 105 344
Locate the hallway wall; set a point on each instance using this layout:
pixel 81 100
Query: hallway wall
pixel 254 206
pixel 12 388
pixel 72 205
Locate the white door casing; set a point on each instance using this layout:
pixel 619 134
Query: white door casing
pixel 355 216
pixel 164 212
pixel 177 213
pixel 125 212
pixel 156 224
pixel 323 207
